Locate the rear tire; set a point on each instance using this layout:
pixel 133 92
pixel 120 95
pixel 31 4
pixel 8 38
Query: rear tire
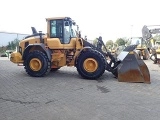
pixel 37 64
pixel 95 59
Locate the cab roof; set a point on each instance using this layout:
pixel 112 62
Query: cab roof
pixel 55 18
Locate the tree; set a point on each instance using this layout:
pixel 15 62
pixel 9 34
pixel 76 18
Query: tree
pixel 13 44
pixel 125 39
pixel 120 41
pixel 109 43
pixel 9 45
pixel 16 42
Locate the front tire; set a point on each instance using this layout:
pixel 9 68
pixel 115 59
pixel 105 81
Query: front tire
pixel 91 64
pixel 37 64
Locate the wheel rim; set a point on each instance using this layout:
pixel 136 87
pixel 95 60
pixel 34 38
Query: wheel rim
pixel 35 64
pixel 90 65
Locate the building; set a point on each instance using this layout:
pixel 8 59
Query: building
pixel 6 37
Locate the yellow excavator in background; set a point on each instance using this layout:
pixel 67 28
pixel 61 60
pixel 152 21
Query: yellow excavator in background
pixel 147 34
pixel 63 45
pixel 146 44
pixel 153 46
pixel 113 49
pixel 157 46
pixel 142 48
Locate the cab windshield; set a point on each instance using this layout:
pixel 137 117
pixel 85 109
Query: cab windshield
pixel 74 29
pixel 157 43
pixel 135 41
pixel 69 31
pixel 65 30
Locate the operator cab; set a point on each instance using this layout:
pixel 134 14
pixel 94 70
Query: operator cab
pixel 137 41
pixel 63 28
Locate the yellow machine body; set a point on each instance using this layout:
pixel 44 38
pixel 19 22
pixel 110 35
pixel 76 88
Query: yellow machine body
pixel 63 45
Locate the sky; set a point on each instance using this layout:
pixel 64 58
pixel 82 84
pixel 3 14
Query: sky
pixel 110 19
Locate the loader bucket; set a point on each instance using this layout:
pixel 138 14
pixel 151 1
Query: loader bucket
pixel 133 69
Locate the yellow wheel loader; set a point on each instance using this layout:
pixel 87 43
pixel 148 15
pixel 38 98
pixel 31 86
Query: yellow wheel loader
pixel 142 48
pixel 147 32
pixel 63 46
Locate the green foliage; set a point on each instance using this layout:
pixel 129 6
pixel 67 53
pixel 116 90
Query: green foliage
pixel 125 39
pixel 109 43
pixel 2 49
pixel 120 41
pixel 9 45
pixel 128 43
pixel 13 44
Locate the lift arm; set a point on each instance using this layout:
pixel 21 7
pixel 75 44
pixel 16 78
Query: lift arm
pixel 147 33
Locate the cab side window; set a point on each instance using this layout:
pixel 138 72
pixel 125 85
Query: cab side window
pixel 56 30
pixel 67 33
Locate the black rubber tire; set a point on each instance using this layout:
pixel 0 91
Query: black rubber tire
pixel 54 69
pixel 46 64
pixel 95 55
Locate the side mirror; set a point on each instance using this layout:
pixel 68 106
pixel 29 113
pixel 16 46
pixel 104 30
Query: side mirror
pixel 74 23
pixel 66 23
